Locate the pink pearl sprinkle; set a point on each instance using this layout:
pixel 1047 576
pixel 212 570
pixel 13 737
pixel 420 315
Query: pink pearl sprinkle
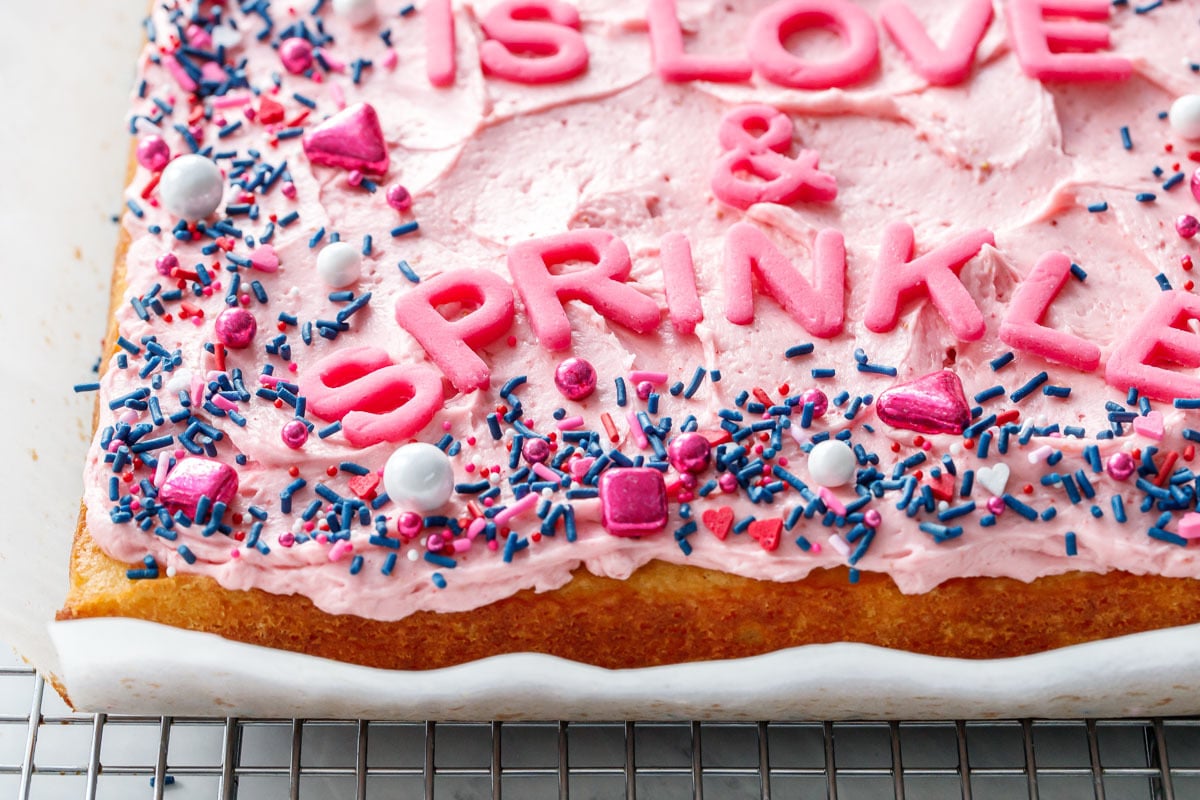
pixel 354 178
pixel 166 264
pixel 296 54
pixel 289 190
pixel 644 388
pixel 1187 226
pixel 294 434
pixel 727 482
pixel 535 450
pixel 995 505
pixel 873 518
pixel 286 539
pixel 399 198
pixel 153 153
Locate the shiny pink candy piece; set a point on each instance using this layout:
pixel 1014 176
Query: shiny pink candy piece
pixel 819 400
pixel 399 198
pixel 728 482
pixel 634 501
pixel 296 55
pixel 350 139
pixel 996 505
pixel 1196 184
pixel 933 403
pixel 644 389
pixel 873 518
pixel 166 264
pixel 689 453
pixel 535 450
pixel 193 478
pixel 294 434
pixel 1121 466
pixel 153 153
pixel 235 328
pixel 1187 226
pixel 575 378
pixel 409 524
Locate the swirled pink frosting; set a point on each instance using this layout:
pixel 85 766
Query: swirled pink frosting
pixel 491 163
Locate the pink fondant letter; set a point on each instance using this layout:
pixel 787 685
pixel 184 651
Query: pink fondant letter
pixel 439 42
pixel 942 67
pixel 1064 49
pixel 450 343
pixel 533 41
pixel 376 401
pixel 899 278
pixel 757 139
pixel 666 40
pixel 821 309
pixel 1161 335
pixel 1023 329
pixel 679 278
pixel 775 23
pixel 601 286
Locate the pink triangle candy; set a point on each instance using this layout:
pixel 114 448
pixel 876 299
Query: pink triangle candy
pixel 350 139
pixel 193 478
pixel 933 403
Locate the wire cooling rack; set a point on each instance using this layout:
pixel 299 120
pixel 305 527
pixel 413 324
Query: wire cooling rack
pixel 48 752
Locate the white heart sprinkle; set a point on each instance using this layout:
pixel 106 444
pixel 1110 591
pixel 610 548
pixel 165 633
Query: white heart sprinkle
pixel 993 478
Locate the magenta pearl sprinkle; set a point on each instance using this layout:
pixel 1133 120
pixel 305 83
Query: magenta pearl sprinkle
pixel 1187 226
pixel 235 328
pixel 819 400
pixel 399 198
pixel 689 453
pixel 535 450
pixel 409 524
pixel 575 378
pixel 1121 465
pixel 995 505
pixel 153 153
pixel 294 434
pixel 296 54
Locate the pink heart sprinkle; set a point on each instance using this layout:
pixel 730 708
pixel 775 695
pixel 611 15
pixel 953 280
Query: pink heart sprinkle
pixel 1150 425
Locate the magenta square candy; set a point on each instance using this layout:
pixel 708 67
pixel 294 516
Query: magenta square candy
pixel 634 500
pixel 193 478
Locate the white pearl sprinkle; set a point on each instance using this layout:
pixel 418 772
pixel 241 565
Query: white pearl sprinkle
pixel 412 555
pixel 356 12
pixel 419 477
pixel 831 463
pixel 1185 116
pixel 339 264
pixel 191 187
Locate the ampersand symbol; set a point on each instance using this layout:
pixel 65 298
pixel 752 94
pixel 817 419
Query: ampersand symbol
pixel 756 139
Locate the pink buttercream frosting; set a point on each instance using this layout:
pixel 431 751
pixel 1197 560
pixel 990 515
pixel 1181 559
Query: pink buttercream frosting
pixel 999 168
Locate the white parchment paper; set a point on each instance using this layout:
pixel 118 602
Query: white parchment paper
pixel 65 71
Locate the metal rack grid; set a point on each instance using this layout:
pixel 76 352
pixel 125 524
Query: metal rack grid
pixel 48 752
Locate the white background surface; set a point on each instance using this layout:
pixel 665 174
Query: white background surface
pixel 66 69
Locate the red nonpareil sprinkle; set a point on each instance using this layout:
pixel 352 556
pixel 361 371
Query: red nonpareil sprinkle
pixel 1027 488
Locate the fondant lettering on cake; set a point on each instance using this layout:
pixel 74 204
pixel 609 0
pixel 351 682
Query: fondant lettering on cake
pixel 679 280
pixel 942 66
pixel 488 302
pixel 533 41
pixel 1161 336
pixel 1023 329
pixel 601 286
pixel 783 19
pixel 440 61
pixel 1064 49
pixel 756 139
pixel 374 399
pixel 820 309
pixel 899 278
pixel 673 64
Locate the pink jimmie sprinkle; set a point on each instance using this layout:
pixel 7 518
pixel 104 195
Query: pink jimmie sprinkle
pixel 340 550
pixel 476 527
pixel 516 509
pixel 635 427
pixel 339 97
pixel 389 60
pixel 544 472
pixel 1189 526
pixel 637 376
pixel 839 544
pixel 570 423
pixel 462 545
pixel 831 501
